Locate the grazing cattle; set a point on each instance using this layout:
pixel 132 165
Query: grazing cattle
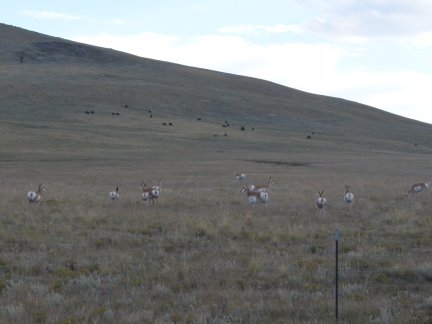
pixel 91 112
pixel 242 128
pixel 164 124
pixel 87 112
pixel 170 124
pixel 35 197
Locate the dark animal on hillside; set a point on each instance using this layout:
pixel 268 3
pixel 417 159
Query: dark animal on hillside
pixel 164 124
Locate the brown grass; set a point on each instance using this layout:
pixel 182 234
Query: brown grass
pixel 202 254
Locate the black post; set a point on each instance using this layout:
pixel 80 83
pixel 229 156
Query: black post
pixel 337 275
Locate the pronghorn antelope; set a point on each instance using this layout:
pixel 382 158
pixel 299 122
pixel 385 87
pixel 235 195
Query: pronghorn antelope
pixel 114 195
pixel 240 176
pixel 321 202
pixel 265 187
pixel 150 193
pixel 255 196
pixel 418 187
pixel 146 192
pixel 33 196
pixel 348 196
pixel 156 190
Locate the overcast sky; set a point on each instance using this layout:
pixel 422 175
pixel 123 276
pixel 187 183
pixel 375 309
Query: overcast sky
pixel 377 52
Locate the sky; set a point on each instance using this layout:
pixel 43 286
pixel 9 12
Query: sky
pixel 376 52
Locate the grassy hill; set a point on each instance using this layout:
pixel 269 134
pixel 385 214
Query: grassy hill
pixel 201 254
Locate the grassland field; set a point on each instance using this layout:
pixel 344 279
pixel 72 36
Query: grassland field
pixel 201 254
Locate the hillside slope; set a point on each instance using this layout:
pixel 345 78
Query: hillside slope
pixel 48 83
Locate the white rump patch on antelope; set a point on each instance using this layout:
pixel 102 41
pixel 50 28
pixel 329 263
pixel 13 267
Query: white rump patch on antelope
pixel 321 202
pixel 348 196
pixel 35 196
pixel 265 187
pixel 152 193
pixel 418 187
pixel 240 176
pixel 255 196
pixel 114 195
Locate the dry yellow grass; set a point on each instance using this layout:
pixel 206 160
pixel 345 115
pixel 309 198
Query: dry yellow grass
pixel 201 254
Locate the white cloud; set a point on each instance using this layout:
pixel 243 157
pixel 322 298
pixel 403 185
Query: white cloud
pixel 202 9
pixel 422 41
pixel 370 18
pixel 255 29
pixel 50 15
pixel 402 92
pixel 117 21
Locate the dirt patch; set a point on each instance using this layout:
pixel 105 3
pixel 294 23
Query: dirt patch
pixel 287 163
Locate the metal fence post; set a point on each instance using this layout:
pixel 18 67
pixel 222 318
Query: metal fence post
pixel 337 276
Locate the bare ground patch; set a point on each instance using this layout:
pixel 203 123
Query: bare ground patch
pixel 287 163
